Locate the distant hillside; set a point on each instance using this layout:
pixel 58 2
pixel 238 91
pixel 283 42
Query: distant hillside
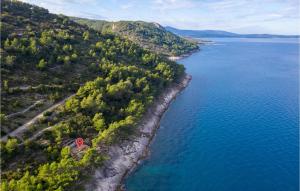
pixel 151 36
pixel 219 33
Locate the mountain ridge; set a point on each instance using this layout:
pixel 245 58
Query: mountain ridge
pixel 222 33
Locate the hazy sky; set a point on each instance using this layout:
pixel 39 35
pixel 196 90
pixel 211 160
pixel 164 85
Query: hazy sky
pixel 242 16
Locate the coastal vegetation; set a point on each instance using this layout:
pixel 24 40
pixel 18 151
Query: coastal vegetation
pixel 109 82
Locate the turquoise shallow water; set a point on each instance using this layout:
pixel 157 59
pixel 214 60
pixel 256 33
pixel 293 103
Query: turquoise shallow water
pixel 235 127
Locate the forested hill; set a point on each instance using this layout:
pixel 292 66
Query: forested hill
pixel 44 59
pixel 151 36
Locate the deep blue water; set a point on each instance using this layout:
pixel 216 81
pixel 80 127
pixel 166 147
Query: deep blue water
pixel 235 128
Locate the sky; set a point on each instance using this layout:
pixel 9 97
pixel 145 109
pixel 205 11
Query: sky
pixel 241 16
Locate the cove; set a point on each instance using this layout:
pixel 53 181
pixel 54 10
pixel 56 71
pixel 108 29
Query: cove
pixel 235 127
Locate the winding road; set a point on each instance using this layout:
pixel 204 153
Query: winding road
pixel 25 110
pixel 20 130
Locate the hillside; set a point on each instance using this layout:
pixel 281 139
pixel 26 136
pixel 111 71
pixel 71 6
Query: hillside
pixel 60 81
pixel 219 33
pixel 151 36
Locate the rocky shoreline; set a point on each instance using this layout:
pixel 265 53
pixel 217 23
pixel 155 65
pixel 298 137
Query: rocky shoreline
pixel 126 156
pixel 176 58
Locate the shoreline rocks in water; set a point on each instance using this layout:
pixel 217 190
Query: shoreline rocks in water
pixel 126 156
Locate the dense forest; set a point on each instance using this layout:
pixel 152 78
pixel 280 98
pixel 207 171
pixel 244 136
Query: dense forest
pixel 110 82
pixel 151 36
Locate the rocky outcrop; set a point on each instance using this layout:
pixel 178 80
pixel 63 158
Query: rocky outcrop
pixel 126 156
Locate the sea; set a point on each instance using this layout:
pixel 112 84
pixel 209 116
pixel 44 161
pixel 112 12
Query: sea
pixel 235 127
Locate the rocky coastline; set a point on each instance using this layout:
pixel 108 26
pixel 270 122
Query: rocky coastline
pixel 176 58
pixel 124 157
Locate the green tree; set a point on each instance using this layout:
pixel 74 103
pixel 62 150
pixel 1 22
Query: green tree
pixel 72 104
pixel 65 152
pixel 67 60
pixel 99 122
pixel 5 85
pixel 15 44
pixel 42 64
pixel 3 118
pixel 122 88
pixel 11 145
pixel 33 46
pixel 86 35
pixel 45 38
pixel 10 60
pixel 135 108
pixel 4 186
pixel 67 48
pixel 7 44
pixel 165 70
pixel 74 57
